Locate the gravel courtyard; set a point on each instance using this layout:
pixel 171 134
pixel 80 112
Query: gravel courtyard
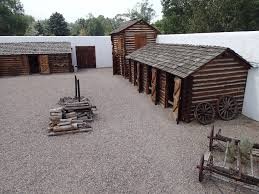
pixel 134 146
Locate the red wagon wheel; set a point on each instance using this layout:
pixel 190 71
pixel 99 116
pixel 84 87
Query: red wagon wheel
pixel 204 113
pixel 227 108
pixel 201 168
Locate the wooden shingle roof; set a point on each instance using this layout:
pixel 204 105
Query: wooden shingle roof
pixel 130 23
pixel 124 26
pixel 178 59
pixel 35 48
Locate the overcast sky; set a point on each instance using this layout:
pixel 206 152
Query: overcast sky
pixel 74 9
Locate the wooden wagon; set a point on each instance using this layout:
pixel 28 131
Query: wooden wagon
pixel 198 82
pixel 247 175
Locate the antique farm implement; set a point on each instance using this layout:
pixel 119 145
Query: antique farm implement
pixel 230 159
pixel 226 108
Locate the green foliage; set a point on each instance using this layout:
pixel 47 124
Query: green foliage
pixel 187 16
pixel 12 18
pixel 142 10
pixel 57 25
pixel 245 147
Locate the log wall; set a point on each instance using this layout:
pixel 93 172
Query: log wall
pixel 124 43
pixel 138 28
pixel 14 65
pixel 225 75
pixel 60 63
pixel 118 54
pixel 130 44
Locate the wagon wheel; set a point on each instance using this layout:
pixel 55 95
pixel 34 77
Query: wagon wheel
pixel 204 113
pixel 227 108
pixel 211 138
pixel 201 175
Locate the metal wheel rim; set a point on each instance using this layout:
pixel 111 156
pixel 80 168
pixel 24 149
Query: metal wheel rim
pixel 227 108
pixel 204 113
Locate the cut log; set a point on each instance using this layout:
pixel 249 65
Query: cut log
pixel 77 121
pixel 66 120
pixel 55 114
pixel 64 128
pixel 69 132
pixel 77 107
pixel 71 115
pixel 55 118
pixel 57 110
pixel 64 123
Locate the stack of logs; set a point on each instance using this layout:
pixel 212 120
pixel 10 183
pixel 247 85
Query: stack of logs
pixel 72 115
pixel 71 118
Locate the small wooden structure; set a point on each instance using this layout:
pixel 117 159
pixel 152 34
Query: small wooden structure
pixel 184 76
pixel 35 57
pixel 129 37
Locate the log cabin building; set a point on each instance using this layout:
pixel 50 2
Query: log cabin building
pixel 35 57
pixel 129 37
pixel 202 82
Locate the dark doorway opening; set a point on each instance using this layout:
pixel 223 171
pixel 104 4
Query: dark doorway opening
pixel 170 88
pixel 85 56
pixel 34 64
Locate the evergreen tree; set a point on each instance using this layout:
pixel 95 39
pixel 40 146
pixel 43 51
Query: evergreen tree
pixel 57 25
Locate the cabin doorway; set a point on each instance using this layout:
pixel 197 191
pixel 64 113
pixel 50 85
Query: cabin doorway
pixel 170 89
pixel 34 64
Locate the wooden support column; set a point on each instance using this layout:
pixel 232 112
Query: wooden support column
pixel 154 84
pixel 130 73
pixel 139 76
pixel 147 79
pixel 135 74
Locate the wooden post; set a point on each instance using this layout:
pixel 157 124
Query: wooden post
pixel 130 73
pixel 78 87
pixel 138 77
pixel 134 73
pixel 154 85
pixel 75 87
pixel 147 79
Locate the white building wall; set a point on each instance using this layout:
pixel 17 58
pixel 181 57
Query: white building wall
pixel 245 44
pixel 251 101
pixel 103 45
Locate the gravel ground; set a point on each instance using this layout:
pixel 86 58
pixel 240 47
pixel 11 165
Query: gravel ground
pixel 134 146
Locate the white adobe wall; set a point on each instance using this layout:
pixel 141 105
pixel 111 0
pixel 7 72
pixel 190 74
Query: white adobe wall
pixel 103 45
pixel 245 44
pixel 251 101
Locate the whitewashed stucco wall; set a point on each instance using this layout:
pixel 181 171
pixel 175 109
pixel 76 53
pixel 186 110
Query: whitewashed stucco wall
pixel 245 44
pixel 103 45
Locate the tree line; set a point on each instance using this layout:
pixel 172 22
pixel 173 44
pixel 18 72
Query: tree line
pixel 13 21
pixel 195 16
pixel 179 16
